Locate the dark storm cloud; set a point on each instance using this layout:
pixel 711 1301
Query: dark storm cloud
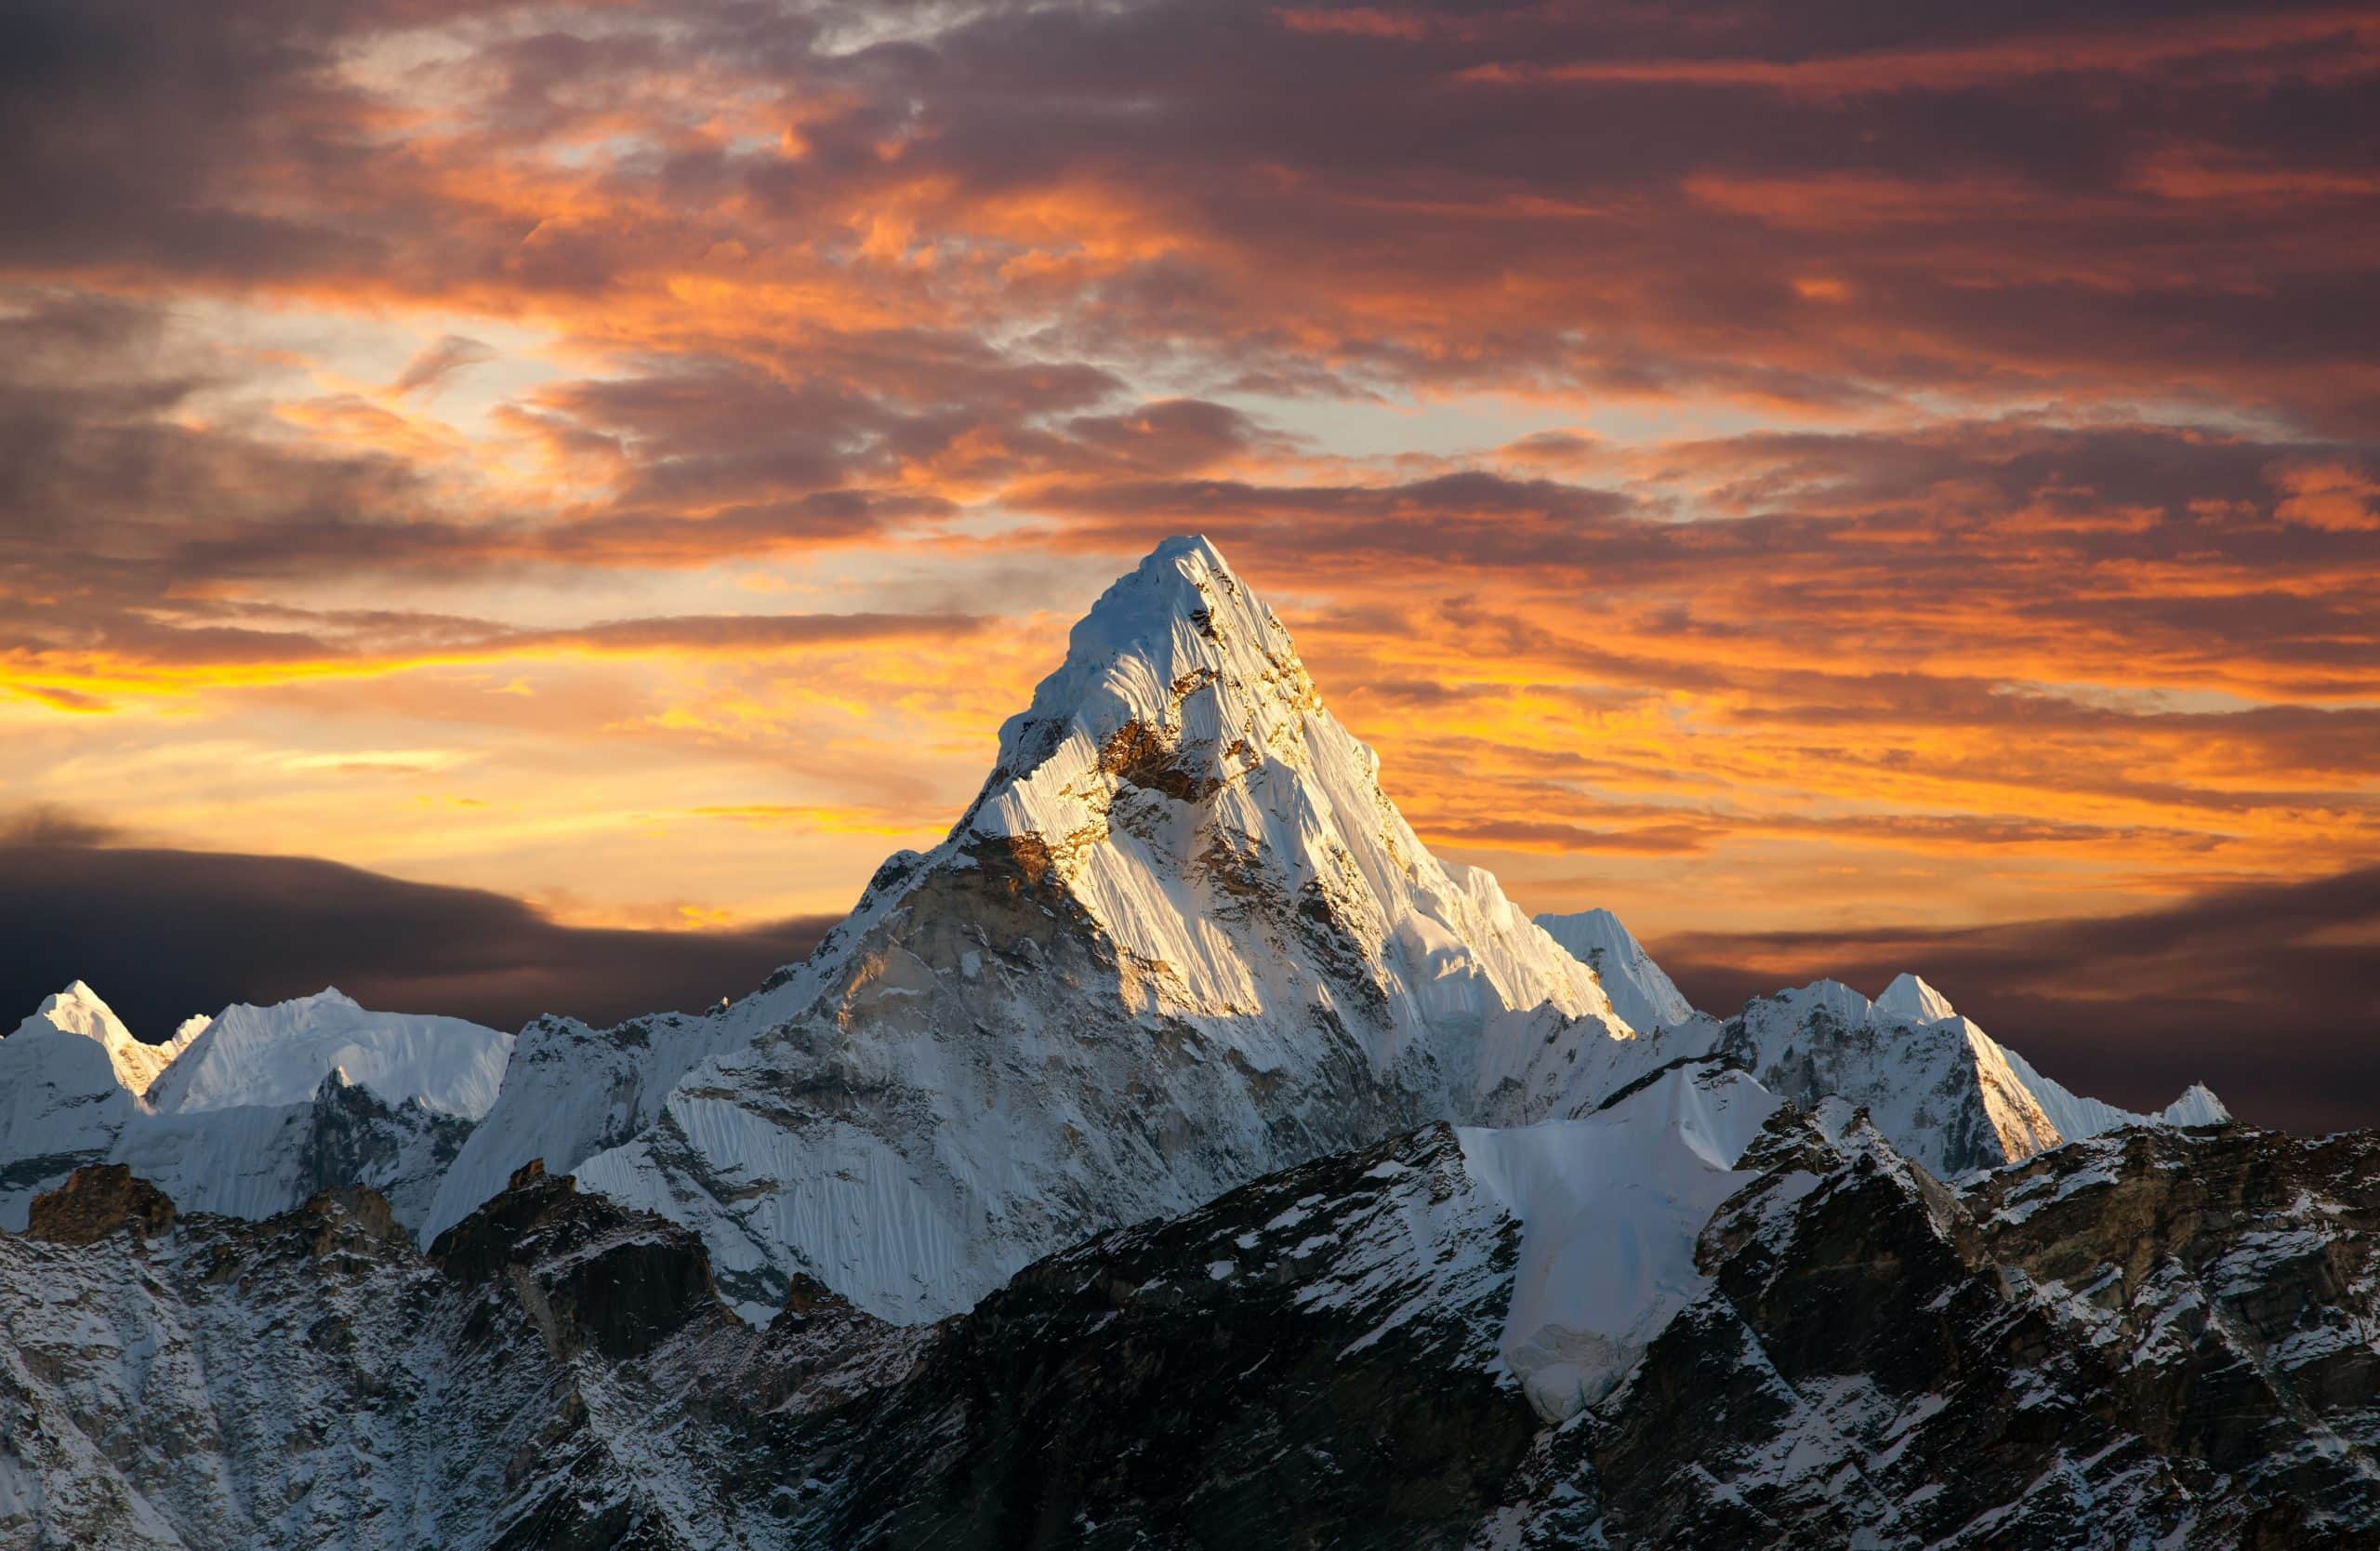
pixel 164 934
pixel 1809 204
pixel 135 130
pixel 2270 993
pixel 2051 195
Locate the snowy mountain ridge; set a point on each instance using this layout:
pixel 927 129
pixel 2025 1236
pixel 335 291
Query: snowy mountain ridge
pixel 280 1053
pixel 1946 1093
pixel 246 1112
pixel 1644 996
pixel 1181 1106
pixel 1180 938
pixel 2160 1338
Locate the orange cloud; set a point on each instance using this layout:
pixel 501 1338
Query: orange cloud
pixel 1750 465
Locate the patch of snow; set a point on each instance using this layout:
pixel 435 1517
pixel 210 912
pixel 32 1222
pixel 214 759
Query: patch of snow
pixel 1609 1208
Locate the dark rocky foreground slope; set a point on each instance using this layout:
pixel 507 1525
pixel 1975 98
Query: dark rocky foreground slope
pixel 2160 1337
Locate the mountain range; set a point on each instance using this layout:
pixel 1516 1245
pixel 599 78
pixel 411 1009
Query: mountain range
pixel 1178 1154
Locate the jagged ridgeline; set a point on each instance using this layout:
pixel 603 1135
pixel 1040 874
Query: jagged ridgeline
pixel 1179 1154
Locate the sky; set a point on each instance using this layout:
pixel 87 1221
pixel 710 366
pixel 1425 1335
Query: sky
pixel 526 505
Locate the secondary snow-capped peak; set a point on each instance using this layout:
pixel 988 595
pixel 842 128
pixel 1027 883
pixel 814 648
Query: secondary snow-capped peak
pixel 1910 997
pixel 78 1010
pixel 280 1054
pixel 1943 1091
pixel 1640 992
pixel 2198 1105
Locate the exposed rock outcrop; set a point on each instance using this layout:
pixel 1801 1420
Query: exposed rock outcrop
pixel 2160 1337
pixel 98 1200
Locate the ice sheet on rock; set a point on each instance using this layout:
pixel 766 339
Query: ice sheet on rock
pixel 1609 1208
pixel 571 1090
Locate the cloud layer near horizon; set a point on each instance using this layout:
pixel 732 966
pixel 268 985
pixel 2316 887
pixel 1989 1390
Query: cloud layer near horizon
pixel 1766 467
pixel 161 934
pixel 2265 992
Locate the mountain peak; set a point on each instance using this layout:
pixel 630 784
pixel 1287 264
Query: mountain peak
pixel 79 1010
pixel 2198 1105
pixel 1178 681
pixel 1179 769
pixel 1641 993
pixel 280 1054
pixel 1183 581
pixel 1183 936
pixel 1911 999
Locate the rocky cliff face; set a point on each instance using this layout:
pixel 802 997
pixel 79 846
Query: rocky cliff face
pixel 2162 1337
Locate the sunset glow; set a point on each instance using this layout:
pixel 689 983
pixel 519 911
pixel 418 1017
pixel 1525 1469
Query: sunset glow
pixel 1749 470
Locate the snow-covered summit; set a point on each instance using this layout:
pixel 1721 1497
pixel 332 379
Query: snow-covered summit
pixel 1912 999
pixel 1180 764
pixel 2198 1105
pixel 78 1010
pixel 280 1054
pixel 1639 990
pixel 63 1096
pixel 1944 1092
pixel 1182 938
